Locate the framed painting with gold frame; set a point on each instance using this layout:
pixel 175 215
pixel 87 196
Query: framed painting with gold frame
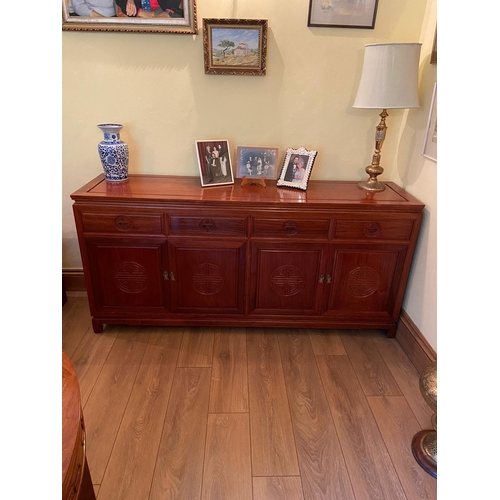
pixel 235 46
pixel 155 16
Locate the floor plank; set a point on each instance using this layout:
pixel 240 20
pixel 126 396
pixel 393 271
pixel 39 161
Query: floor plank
pixel 326 342
pixel 105 407
pixel 322 466
pixel 130 469
pixel 370 468
pixel 179 466
pixel 408 378
pixel 89 358
pixel 277 488
pixel 373 374
pixel 197 347
pixel 229 386
pixel 273 446
pixel 75 324
pixel 398 425
pixel 227 469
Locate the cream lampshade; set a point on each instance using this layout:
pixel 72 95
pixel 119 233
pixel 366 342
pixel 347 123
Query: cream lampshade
pixel 389 81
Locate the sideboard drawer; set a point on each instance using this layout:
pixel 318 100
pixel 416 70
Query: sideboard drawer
pixel 373 229
pixel 298 228
pixel 122 223
pixel 204 226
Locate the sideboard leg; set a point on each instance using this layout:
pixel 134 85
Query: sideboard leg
pixel 98 327
pixel 391 331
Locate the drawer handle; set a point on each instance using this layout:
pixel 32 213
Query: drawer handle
pixel 290 227
pixel 208 225
pixel 122 223
pixel 372 229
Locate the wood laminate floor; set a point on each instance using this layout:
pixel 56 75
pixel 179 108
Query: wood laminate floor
pixel 246 413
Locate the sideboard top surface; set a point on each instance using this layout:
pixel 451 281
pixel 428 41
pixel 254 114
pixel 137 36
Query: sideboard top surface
pixel 165 189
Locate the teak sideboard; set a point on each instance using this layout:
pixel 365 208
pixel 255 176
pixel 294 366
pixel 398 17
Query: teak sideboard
pixel 162 250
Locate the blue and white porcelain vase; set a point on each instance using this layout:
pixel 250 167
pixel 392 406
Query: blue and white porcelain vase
pixel 113 152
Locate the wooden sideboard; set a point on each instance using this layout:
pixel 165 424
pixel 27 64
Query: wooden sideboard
pixel 162 250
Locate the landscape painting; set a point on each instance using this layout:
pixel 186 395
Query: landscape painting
pixel 235 46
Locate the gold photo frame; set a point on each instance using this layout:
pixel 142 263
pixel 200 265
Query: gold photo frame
pixel 155 16
pixel 235 46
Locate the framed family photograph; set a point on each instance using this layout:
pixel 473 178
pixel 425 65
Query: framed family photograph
pixel 296 170
pixel 214 162
pixel 342 13
pixel 235 46
pixel 430 141
pixel 254 162
pixel 150 16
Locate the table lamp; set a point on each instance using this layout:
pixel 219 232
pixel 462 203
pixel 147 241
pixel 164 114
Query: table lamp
pixel 389 81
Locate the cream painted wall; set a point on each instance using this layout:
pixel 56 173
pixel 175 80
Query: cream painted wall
pixel 418 175
pixel 155 85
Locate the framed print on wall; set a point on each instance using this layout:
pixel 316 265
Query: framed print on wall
pixel 430 141
pixel 150 16
pixel 254 162
pixel 235 46
pixel 214 162
pixel 342 13
pixel 296 170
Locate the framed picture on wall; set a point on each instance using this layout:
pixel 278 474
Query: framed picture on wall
pixel 342 13
pixel 430 141
pixel 214 162
pixel 297 166
pixel 152 16
pixel 235 46
pixel 254 162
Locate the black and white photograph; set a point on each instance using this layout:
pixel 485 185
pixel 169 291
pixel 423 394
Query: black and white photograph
pixel 255 162
pixel 214 162
pixel 296 169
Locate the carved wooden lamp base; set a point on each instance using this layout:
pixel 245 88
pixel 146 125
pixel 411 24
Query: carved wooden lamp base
pixel 253 181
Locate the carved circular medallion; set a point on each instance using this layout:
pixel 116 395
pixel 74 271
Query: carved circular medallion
pixel 372 229
pixel 290 227
pixel 122 223
pixel 362 281
pixel 208 279
pixel 131 277
pixel 207 225
pixel 287 280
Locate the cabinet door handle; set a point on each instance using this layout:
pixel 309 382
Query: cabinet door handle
pixel 165 275
pixel 172 276
pixel 321 278
pixel 328 278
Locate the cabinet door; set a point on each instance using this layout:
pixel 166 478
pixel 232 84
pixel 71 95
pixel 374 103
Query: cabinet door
pixel 207 276
pixel 365 281
pixel 127 274
pixel 286 278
